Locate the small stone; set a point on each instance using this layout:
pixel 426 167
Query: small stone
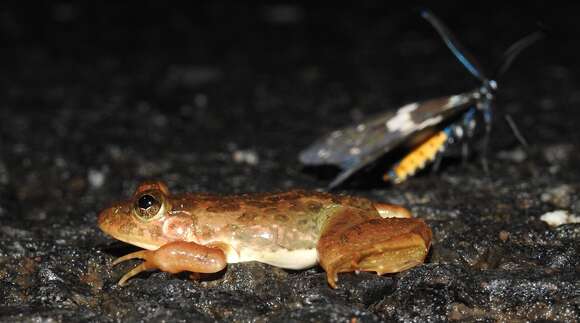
pixel 559 217
pixel 517 155
pixel 559 196
pixel 504 235
pixel 249 157
pixel 558 154
pixel 96 178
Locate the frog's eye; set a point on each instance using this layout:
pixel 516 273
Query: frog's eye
pixel 149 205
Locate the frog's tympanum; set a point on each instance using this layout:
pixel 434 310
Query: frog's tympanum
pixel 202 233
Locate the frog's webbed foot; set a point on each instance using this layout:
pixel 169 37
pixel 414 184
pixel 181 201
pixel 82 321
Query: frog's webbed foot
pixel 176 257
pixel 350 242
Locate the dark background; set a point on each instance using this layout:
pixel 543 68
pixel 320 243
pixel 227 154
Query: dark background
pixel 95 98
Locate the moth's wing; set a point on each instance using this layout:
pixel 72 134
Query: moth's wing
pixel 348 171
pixel 352 148
pixel 344 147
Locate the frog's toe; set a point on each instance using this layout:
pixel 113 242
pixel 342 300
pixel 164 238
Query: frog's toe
pixel 135 271
pixel 392 211
pixel 142 254
pixel 332 277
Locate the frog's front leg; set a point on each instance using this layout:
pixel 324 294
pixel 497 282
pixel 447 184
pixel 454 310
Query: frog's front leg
pixel 176 257
pixel 353 241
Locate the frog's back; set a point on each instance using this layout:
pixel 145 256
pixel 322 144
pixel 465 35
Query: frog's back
pixel 269 227
pixel 283 208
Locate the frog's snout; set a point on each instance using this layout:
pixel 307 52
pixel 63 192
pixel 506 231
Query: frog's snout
pixel 103 219
pixel 110 219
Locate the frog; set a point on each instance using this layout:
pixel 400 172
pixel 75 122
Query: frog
pixel 202 232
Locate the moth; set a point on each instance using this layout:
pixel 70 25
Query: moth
pixel 427 127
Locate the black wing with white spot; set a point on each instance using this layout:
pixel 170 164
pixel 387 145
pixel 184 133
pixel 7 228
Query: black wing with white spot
pixel 351 148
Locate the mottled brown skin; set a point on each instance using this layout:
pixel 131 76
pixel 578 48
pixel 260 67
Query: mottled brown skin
pixel 201 233
pixel 353 241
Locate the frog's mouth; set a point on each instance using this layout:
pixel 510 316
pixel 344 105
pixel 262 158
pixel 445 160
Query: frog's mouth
pixel 121 227
pixel 132 241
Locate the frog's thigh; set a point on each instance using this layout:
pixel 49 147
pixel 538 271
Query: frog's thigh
pixel 176 257
pixel 392 211
pixel 384 245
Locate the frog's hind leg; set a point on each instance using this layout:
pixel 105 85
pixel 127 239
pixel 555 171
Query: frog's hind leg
pixel 352 242
pixel 176 257
pixel 392 211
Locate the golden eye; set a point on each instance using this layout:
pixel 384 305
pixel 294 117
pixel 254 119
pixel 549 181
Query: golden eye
pixel 148 205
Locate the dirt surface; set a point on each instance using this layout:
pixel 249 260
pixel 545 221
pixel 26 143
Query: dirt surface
pixel 221 98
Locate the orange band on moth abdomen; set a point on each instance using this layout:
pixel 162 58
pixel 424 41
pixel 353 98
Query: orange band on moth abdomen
pixel 418 158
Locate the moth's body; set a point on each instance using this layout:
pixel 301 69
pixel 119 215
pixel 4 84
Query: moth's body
pixel 294 230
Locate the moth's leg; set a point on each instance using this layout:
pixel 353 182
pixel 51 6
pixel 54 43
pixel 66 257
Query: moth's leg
pixel 383 245
pixel 437 163
pixel 516 131
pixel 466 131
pixel 487 118
pixel 454 135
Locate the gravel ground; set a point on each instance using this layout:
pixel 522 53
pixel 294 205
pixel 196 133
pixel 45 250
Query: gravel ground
pixel 221 98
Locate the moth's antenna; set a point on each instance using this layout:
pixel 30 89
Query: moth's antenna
pixel 508 58
pixel 453 44
pixel 514 50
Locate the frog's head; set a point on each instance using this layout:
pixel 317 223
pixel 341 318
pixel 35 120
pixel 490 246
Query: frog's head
pixel 146 220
